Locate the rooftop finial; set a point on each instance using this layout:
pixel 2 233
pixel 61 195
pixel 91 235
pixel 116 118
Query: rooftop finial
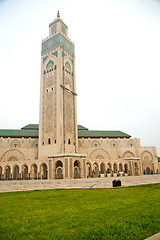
pixel 58 15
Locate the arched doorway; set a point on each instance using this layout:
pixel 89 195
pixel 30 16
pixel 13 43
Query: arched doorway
pixel 34 171
pixel 126 168
pixel 120 167
pixel 95 170
pixel 77 173
pixel 44 171
pixel 109 168
pixel 115 168
pixel 7 172
pixel 148 171
pixel 102 167
pixel 0 172
pixel 147 162
pixel 25 172
pixel 59 170
pixel 16 172
pixel 89 170
pixel 135 168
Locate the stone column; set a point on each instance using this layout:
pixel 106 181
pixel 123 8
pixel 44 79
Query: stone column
pixel 66 167
pixel 130 167
pixel 84 168
pixel 50 169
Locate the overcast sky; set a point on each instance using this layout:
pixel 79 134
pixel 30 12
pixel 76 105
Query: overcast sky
pixel 117 63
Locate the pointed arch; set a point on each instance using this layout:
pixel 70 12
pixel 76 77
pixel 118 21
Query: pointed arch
pixel 126 168
pixel 95 169
pixel 59 169
pixel 15 172
pixel 115 168
pixel 88 169
pixel 147 162
pixel 135 168
pixel 109 168
pixel 120 167
pixel 24 171
pixel 99 152
pixel 128 154
pixel 102 168
pixel 43 170
pixel 67 64
pixel 77 169
pixel 34 171
pixel 12 154
pixel 7 172
pixel 50 62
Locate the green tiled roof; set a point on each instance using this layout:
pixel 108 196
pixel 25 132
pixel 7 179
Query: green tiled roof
pixel 80 127
pixel 18 133
pixel 32 130
pixel 98 134
pixel 31 127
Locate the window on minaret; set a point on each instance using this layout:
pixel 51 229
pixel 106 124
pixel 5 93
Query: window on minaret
pixel 49 141
pixel 69 141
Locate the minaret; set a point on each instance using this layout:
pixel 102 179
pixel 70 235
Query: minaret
pixel 58 112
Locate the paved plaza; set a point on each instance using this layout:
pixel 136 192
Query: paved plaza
pixel 81 183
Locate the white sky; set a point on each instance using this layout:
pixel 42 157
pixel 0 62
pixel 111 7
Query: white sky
pixel 117 62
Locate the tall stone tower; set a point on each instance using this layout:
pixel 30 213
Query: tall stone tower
pixel 58 113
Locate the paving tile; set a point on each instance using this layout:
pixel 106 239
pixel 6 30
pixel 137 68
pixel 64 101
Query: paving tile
pixel 27 185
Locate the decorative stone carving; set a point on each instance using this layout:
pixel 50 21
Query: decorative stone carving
pixel 12 154
pixel 15 143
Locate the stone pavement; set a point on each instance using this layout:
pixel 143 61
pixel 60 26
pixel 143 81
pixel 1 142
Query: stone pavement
pixel 81 183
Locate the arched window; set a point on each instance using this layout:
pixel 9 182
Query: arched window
pixel 49 141
pixel 69 141
pixel 76 163
pixel 59 164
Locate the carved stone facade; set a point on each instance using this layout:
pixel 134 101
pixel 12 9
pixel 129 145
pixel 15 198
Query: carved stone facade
pixel 56 148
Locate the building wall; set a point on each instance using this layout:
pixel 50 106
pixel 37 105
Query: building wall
pixel 18 152
pixel 116 153
pixel 104 157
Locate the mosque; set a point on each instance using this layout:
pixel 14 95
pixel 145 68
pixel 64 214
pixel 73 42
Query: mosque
pixel 57 147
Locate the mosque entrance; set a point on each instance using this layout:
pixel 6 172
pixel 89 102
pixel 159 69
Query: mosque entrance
pixel 95 170
pixel 89 170
pixel 59 170
pixel 7 172
pixel 148 171
pixel 75 173
pixel 16 172
pixel 44 171
pixel 77 169
pixel 34 171
pixel 136 168
pixel 25 172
